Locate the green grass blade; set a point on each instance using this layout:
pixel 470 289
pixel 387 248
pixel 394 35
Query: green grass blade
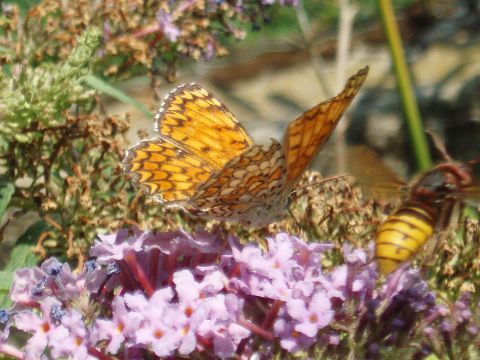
pixel 407 93
pixel 7 189
pixel 6 280
pixel 107 89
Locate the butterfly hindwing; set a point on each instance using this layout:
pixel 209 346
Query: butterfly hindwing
pixel 198 135
pixel 244 184
pixel 165 171
pixel 306 134
pixel 198 122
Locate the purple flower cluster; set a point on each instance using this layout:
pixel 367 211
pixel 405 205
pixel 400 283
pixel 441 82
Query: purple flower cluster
pixel 289 274
pixel 173 293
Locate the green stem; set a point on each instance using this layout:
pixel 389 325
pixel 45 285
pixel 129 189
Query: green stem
pixel 410 106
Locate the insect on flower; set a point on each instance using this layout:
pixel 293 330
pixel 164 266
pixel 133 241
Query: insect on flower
pixel 431 204
pixel 204 161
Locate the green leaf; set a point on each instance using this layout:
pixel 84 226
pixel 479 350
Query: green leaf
pixel 6 279
pixel 471 212
pixel 22 256
pixel 105 88
pixel 31 235
pixel 24 5
pixel 6 191
pixel 6 51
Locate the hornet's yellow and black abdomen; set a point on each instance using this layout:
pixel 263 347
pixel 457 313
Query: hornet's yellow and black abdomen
pixel 402 235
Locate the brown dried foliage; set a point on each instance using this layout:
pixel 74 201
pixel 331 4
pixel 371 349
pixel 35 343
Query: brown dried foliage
pixel 137 34
pixel 453 265
pixel 72 176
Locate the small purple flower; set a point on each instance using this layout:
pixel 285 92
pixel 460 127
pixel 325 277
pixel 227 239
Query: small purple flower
pixel 51 279
pixel 107 31
pixel 5 324
pixel 249 255
pixel 290 339
pixel 94 276
pixel 462 308
pixel 335 283
pixel 115 246
pixel 70 339
pixel 355 280
pixel 61 281
pixel 41 326
pixel 181 242
pixel 166 25
pixel 281 2
pixel 288 266
pixel 332 339
pixel 165 326
pixel 355 256
pixel 312 316
pixel 139 303
pixel 161 337
pixel 27 283
pixel 120 329
pixel 306 253
pixel 226 335
pixel 190 290
pixel 162 330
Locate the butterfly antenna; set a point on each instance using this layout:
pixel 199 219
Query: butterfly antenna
pixel 330 178
pixel 439 145
pixel 295 194
pixel 473 162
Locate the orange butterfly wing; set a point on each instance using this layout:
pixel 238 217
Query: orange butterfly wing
pixel 197 121
pixel 198 136
pixel 165 171
pixel 306 134
pixel 247 188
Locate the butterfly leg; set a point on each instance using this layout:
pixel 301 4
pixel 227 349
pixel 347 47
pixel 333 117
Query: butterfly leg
pixel 300 228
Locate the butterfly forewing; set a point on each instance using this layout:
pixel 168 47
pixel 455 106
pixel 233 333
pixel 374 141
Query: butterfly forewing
pixel 164 170
pixel 306 135
pixel 246 178
pixel 197 121
pixel 198 135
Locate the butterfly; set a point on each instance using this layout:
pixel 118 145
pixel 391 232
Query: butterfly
pixel 205 162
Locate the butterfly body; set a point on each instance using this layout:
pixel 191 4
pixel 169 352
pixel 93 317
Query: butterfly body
pixel 252 190
pixel 204 161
